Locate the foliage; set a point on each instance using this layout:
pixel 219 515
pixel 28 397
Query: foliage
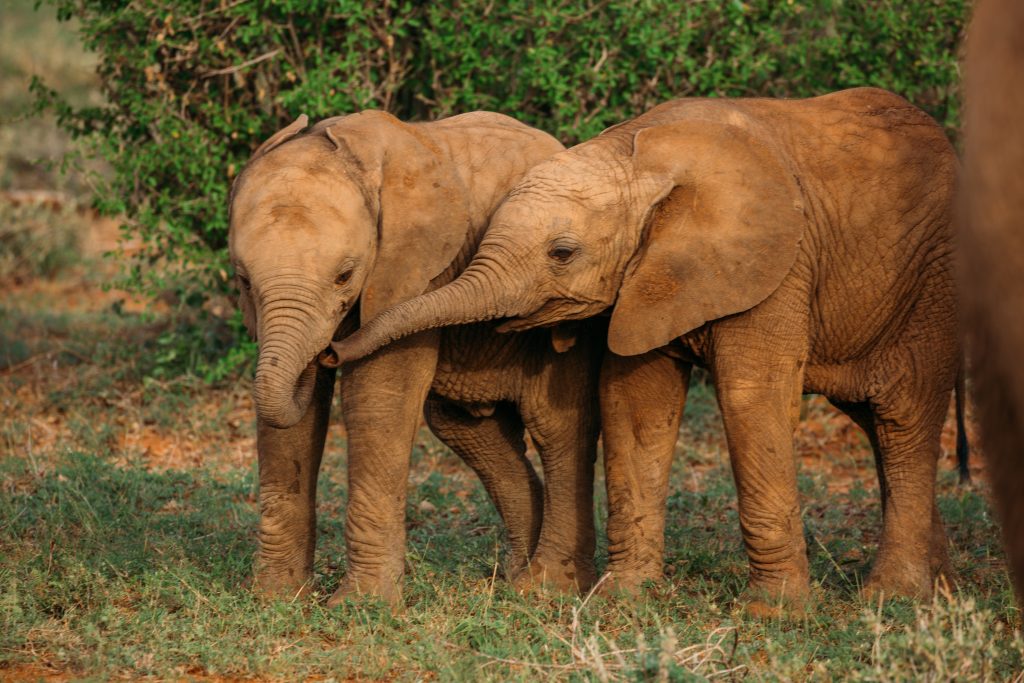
pixel 192 86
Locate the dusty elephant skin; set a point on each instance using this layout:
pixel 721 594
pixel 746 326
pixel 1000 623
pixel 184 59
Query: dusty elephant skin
pixel 993 249
pixel 788 245
pixel 333 223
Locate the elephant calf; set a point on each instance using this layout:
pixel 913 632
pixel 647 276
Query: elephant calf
pixel 330 225
pixel 788 245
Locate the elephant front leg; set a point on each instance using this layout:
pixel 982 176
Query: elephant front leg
pixel 561 413
pixel 289 462
pixel 757 403
pixel 642 400
pixel 494 448
pixel 382 399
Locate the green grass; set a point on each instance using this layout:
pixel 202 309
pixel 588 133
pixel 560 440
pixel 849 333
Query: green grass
pixel 109 569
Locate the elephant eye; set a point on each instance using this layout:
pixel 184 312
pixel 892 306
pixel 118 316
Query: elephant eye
pixel 563 253
pixel 244 281
pixel 344 276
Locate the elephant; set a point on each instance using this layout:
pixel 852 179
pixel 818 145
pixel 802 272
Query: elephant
pixel 330 224
pixel 992 239
pixel 789 246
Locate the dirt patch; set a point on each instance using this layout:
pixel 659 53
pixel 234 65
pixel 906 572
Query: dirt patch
pixel 33 672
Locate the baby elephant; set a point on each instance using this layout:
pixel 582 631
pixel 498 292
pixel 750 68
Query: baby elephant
pixel 330 225
pixel 790 246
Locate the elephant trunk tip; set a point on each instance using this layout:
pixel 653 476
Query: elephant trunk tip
pixel 279 415
pixel 351 348
pixel 280 403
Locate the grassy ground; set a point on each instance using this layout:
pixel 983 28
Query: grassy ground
pixel 127 511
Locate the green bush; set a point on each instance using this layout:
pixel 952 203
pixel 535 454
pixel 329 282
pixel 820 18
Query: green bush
pixel 192 86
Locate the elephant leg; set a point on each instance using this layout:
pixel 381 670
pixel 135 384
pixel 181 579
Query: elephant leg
pixel 756 396
pixel 863 415
pixel 913 549
pixel 382 399
pixel 561 414
pixel 642 401
pixel 494 448
pixel 289 462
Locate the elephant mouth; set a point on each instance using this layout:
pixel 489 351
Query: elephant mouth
pixel 327 358
pixel 553 312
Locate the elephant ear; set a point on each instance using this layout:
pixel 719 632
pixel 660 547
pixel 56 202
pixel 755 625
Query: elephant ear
pixel 421 204
pixel 283 135
pixel 724 222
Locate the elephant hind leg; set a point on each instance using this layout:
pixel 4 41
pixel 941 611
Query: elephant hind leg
pixel 863 415
pixel 913 549
pixel 494 448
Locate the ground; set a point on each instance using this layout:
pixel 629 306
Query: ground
pixel 128 511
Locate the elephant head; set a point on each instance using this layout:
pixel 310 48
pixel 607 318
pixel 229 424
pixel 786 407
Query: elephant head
pixel 674 221
pixel 361 209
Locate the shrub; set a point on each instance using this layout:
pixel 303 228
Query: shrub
pixel 192 86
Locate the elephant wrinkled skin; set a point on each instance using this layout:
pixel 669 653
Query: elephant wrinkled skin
pixel 788 245
pixel 993 248
pixel 333 223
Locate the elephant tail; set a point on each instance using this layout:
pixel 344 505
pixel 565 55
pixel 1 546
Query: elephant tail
pixel 963 450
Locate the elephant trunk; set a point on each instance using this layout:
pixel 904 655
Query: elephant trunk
pixel 286 371
pixel 468 299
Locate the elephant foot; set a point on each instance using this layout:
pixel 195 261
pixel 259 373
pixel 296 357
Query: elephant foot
pixel 758 606
pixel 943 574
pixel 898 580
pixel 626 583
pixel 514 564
pixel 287 583
pixel 360 588
pixel 561 576
pixel 774 598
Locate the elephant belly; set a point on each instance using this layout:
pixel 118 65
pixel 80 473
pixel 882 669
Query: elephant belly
pixel 478 391
pixel 480 366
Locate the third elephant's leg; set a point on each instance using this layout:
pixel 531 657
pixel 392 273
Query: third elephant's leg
pixel 642 400
pixel 494 448
pixel 382 399
pixel 289 461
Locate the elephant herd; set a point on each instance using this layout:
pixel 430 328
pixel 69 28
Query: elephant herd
pixel 475 270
